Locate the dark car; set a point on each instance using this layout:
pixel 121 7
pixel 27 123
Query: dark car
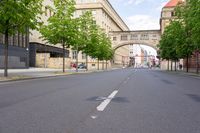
pixel 82 66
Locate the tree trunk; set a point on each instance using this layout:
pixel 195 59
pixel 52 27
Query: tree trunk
pixel 45 56
pixel 63 57
pixel 175 66
pixel 6 55
pixel 171 65
pixel 187 64
pixel 86 62
pixel 77 61
pixel 103 65
pixel 98 65
pixel 197 63
pixel 27 47
pixel 106 65
pixel 168 65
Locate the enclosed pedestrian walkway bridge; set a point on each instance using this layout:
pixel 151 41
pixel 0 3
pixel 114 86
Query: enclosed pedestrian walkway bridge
pixel 144 37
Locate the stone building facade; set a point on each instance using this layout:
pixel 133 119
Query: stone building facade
pixel 109 20
pixel 105 16
pixel 31 50
pixel 43 54
pixel 18 54
pixel 168 15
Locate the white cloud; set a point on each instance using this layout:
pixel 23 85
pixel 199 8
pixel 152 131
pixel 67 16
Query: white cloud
pixel 135 2
pixel 142 22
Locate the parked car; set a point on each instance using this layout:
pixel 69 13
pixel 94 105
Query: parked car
pixel 73 65
pixel 82 66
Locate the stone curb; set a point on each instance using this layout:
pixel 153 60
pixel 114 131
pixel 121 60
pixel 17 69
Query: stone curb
pixel 184 73
pixel 55 75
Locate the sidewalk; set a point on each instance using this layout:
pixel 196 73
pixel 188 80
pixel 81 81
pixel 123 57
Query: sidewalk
pixel 180 72
pixel 32 73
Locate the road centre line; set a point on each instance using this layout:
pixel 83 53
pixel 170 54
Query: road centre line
pixel 105 103
pixel 108 99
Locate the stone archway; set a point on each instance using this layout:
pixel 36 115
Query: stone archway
pixel 130 58
pixel 144 37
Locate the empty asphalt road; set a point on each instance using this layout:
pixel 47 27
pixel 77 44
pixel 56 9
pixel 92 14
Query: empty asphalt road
pixel 119 101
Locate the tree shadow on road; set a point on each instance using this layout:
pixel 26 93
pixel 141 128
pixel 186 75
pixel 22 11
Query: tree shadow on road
pixel 116 99
pixel 194 97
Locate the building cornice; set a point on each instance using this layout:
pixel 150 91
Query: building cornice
pixel 116 12
pixel 134 31
pixel 112 13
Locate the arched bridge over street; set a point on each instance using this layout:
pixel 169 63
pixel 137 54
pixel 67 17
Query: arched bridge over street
pixel 144 37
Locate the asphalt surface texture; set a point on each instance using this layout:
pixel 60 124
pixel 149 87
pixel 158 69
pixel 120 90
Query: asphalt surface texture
pixel 118 101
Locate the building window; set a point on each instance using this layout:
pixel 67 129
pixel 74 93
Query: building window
pixel 154 35
pixel 94 12
pixel 83 56
pixel 134 37
pixel 18 40
pixel 173 14
pixel 114 38
pixel 10 41
pixel 144 37
pixel 124 37
pixel 74 54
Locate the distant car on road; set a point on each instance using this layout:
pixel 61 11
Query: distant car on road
pixel 82 66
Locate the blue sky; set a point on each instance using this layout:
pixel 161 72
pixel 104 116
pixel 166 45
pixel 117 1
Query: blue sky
pixel 139 14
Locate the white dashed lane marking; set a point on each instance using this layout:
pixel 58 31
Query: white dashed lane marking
pixel 105 103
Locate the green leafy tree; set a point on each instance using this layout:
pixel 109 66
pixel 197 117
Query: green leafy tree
pixel 192 19
pixel 82 37
pixel 88 29
pixel 61 28
pixel 16 16
pixel 103 47
pixel 172 41
pixel 92 40
pixel 108 51
pixel 189 14
pixel 164 47
pixel 108 55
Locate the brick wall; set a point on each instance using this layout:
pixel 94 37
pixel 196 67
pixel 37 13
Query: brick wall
pixel 192 63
